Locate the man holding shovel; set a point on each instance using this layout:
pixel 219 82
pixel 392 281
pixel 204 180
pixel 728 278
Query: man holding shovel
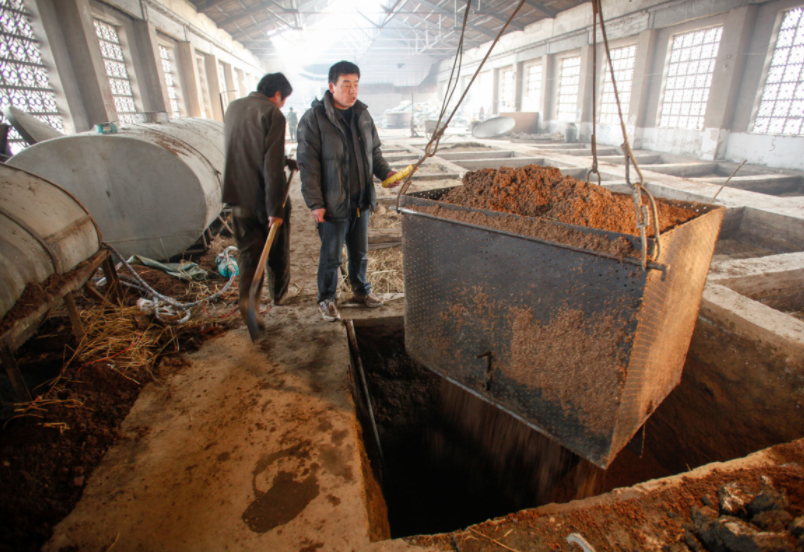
pixel 254 186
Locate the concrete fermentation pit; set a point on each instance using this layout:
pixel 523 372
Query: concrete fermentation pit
pixel 153 188
pixel 514 299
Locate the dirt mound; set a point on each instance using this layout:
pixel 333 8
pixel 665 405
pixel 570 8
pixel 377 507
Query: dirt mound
pixel 537 191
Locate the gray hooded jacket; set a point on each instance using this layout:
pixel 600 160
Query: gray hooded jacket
pixel 323 157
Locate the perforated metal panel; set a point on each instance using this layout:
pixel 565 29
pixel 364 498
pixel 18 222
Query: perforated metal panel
pixel 575 343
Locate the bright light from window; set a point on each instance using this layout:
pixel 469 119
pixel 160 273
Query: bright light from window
pixel 533 88
pixel 623 62
pixel 341 21
pixel 568 89
pixel 781 110
pixel 689 76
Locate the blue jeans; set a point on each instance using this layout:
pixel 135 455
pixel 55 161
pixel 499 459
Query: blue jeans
pixel 333 234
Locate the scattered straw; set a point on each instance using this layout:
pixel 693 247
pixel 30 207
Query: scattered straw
pixel 385 218
pixel 385 270
pixel 498 543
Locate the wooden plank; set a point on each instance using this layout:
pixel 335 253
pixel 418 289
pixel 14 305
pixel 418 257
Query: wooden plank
pixel 112 281
pixel 385 235
pixel 75 320
pixel 14 374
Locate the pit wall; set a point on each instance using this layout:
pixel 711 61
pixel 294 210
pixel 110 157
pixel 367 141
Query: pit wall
pixel 747 42
pixel 70 50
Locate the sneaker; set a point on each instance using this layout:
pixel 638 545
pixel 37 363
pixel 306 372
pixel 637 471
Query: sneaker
pixel 293 291
pixel 370 300
pixel 328 310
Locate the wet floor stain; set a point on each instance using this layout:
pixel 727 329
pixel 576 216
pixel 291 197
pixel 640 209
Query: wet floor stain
pixel 286 498
pixel 280 504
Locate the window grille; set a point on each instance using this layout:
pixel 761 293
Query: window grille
pixel 622 59
pixel 170 80
pixel 689 76
pixel 507 90
pixel 116 71
pixel 781 110
pixel 23 76
pixel 533 88
pixel 568 89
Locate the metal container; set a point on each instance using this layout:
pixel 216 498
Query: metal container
pixel 580 345
pixel 494 127
pixel 571 133
pixel 398 119
pixel 43 231
pixel 152 188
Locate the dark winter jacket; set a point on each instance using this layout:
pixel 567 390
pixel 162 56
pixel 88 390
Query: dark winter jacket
pixel 323 157
pixel 254 177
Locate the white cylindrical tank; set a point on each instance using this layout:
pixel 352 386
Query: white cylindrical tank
pixel 152 188
pixel 43 231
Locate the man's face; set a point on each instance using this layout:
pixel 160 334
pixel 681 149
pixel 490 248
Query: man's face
pixel 344 92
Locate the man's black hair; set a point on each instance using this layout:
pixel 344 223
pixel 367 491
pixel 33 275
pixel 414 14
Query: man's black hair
pixel 272 83
pixel 343 68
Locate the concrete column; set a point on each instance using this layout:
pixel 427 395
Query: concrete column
pixel 585 85
pixel 241 83
pixel 726 81
pixel 77 55
pixel 495 94
pixel 640 86
pixel 546 101
pixel 189 78
pixel 150 75
pixel 46 28
pixel 645 48
pixel 232 93
pixel 519 80
pixel 215 86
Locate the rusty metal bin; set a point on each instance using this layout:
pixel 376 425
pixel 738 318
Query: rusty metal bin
pixel 580 345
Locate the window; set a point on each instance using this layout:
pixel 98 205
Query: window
pixel 781 110
pixel 206 106
pixel 116 70
pixel 507 90
pixel 23 76
pixel 689 76
pixel 170 80
pixel 622 59
pixel 533 88
pixel 568 89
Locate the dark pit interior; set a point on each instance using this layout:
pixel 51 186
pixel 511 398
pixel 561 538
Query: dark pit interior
pixel 451 460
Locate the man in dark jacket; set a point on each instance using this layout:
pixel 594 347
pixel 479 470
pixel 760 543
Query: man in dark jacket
pixel 339 152
pixel 254 184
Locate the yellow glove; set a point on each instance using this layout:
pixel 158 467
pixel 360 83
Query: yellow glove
pixel 398 176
